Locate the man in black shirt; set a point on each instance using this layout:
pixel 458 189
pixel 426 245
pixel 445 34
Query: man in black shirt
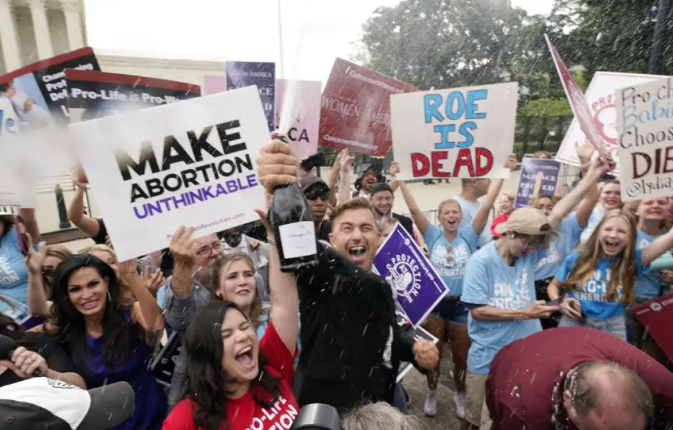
pixel 382 201
pixel 317 195
pixel 351 343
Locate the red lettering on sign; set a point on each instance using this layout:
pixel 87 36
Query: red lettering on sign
pixel 420 165
pixel 437 157
pixel 484 160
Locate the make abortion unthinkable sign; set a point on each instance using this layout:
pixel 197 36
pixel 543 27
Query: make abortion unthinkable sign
pixel 190 163
pixel 454 133
pixel 645 126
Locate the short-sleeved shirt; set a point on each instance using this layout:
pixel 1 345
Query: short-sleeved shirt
pixel 525 386
pixel 489 281
pixel 594 219
pixel 449 259
pixel 591 295
pixel 648 285
pixel 13 277
pixel 470 210
pixel 552 258
pixel 245 413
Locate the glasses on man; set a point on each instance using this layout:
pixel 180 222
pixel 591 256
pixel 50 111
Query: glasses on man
pixel 317 194
pixel 531 241
pixel 207 249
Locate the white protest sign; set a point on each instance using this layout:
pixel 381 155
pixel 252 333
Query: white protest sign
pixel 454 133
pixel 600 97
pixel 191 163
pixel 15 188
pixel 645 126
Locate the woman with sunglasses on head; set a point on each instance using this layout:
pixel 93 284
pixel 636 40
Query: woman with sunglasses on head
pixel 234 380
pixel 600 277
pixel 449 250
pixel 106 337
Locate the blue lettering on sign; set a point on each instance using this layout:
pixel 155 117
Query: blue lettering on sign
pixel 7 124
pixel 457 105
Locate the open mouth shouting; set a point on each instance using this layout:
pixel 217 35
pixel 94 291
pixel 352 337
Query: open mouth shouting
pixel 245 358
pixel 611 246
pixel 357 254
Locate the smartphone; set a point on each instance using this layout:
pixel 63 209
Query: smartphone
pixel 20 228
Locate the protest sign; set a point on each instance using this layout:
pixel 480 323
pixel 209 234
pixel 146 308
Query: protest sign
pixel 163 364
pixel 538 177
pixel 302 99
pixel 39 92
pixel 645 127
pixel 213 84
pixel 579 105
pixel 242 74
pixel 657 318
pixel 417 285
pixel 458 133
pixel 355 111
pixel 601 98
pixel 419 334
pixel 190 163
pixel 9 127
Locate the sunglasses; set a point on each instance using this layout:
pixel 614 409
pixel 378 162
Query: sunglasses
pixel 317 194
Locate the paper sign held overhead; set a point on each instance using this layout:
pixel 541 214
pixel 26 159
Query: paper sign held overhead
pixel 538 177
pixel 355 110
pixel 460 133
pixel 190 163
pixel 645 126
pixel 304 115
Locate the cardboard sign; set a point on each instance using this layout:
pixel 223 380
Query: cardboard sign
pixel 657 318
pixel 190 163
pixel 241 74
pixel 538 178
pixel 579 105
pixel 415 282
pixel 355 110
pixel 454 133
pixel 301 99
pixel 419 334
pixel 645 126
pixel 39 91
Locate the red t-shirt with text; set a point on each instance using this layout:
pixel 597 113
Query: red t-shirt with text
pixel 244 413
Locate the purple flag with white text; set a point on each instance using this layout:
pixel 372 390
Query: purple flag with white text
pixel 534 171
pixel 241 74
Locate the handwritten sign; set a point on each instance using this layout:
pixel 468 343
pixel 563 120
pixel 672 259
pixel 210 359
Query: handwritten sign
pixel 645 126
pixel 538 177
pixel 459 133
pixel 415 282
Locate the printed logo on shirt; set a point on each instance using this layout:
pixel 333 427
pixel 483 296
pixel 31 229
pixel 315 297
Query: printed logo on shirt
pixel 279 417
pixel 552 257
pixel 511 296
pixel 450 265
pixel 8 275
pixel 596 288
pixel 404 276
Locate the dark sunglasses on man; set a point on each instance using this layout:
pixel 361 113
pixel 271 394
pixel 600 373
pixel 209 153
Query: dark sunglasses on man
pixel 314 194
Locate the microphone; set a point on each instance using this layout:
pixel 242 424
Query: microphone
pixel 7 347
pixel 317 416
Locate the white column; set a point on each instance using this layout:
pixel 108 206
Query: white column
pixel 73 23
pixel 8 37
pixel 41 29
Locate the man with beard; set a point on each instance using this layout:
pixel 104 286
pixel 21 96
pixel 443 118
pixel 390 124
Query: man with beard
pixel 317 195
pixel 369 175
pixel 382 199
pixel 186 290
pixel 351 343
pixel 236 241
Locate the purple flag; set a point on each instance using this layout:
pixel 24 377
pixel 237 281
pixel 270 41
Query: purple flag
pixel 241 74
pixel 414 281
pixel 532 170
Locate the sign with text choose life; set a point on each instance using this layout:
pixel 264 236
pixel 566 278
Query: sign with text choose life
pixel 454 133
pixel 190 163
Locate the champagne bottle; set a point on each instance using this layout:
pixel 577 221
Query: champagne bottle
pixel 293 227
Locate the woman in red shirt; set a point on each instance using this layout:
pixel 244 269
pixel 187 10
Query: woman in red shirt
pixel 235 381
pixel 506 208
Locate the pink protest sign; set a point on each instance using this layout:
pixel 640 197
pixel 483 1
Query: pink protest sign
pixel 579 104
pixel 302 98
pixel 214 84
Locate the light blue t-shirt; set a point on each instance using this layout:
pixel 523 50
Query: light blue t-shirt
pixel 592 294
pixel 552 258
pixel 470 210
pixel 594 219
pixel 648 285
pixel 489 281
pixel 451 265
pixel 13 277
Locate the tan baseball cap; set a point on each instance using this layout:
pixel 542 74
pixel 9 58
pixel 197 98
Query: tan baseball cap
pixel 528 221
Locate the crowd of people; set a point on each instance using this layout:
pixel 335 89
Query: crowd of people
pixel 537 319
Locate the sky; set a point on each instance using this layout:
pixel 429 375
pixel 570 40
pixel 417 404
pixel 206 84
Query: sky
pixel 314 31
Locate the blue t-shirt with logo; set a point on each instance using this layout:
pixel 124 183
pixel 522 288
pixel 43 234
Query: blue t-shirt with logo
pixel 449 259
pixel 648 285
pixel 591 295
pixel 13 277
pixel 552 258
pixel 489 281
pixel 469 210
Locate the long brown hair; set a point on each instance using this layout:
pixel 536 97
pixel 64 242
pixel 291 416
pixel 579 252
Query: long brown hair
pixel 622 267
pixel 218 267
pixel 126 293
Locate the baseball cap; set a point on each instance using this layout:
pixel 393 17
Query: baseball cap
pixel 308 181
pixel 54 405
pixel 380 186
pixel 528 221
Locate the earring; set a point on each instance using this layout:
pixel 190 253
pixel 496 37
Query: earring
pixel 109 296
